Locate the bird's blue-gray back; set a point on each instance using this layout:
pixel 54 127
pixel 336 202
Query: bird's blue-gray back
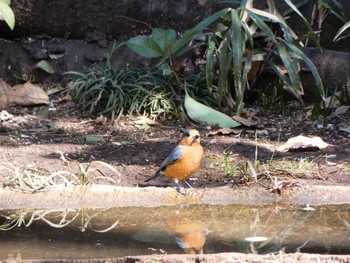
pixel 173 157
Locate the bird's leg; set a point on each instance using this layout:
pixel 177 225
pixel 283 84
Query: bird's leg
pixel 179 188
pixel 188 184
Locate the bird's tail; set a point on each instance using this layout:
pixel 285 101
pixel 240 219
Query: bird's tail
pixel 153 177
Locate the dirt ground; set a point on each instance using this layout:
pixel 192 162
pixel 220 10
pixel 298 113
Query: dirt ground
pixel 65 139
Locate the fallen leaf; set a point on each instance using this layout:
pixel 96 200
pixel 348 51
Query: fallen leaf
pixel 101 120
pixel 92 139
pixel 65 98
pixel 224 131
pixel 27 94
pixel 45 66
pixel 247 118
pixel 205 115
pixel 5 116
pixel 144 127
pixel 43 112
pixel 4 89
pixel 340 111
pixel 144 120
pixel 331 102
pixel 302 143
pixel 248 122
pixel 347 129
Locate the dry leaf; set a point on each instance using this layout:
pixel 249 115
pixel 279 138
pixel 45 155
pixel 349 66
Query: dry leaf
pixel 26 94
pixel 4 89
pixel 331 102
pixel 101 120
pixel 224 131
pixel 65 98
pixel 248 122
pixel 144 120
pixel 302 143
pixel 341 110
pixel 5 116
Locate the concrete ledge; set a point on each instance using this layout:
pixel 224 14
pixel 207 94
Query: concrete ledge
pixel 103 196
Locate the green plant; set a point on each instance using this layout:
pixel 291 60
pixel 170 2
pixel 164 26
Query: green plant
pixel 6 13
pixel 333 7
pixel 164 45
pixel 232 51
pixel 272 98
pixel 235 46
pixel 102 90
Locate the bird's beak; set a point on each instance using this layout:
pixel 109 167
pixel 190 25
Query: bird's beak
pixel 185 132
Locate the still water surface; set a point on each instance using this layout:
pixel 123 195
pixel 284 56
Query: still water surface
pixel 117 232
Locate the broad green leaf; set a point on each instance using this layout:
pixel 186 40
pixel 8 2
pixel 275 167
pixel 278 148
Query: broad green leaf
pixel 341 30
pixel 298 5
pixel 7 14
pixel 164 38
pixel 182 44
pixel 292 67
pixel 341 17
pixel 225 61
pixel 144 127
pixel 270 16
pixel 247 66
pixel 210 63
pixel 165 68
pixel 262 25
pixel 306 23
pixel 311 66
pixel 238 46
pixel 43 112
pixel 44 65
pixel 145 46
pixel 205 115
pixel 286 80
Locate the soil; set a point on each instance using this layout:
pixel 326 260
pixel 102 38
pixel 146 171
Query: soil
pixel 65 140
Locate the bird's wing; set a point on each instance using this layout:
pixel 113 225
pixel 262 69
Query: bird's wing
pixel 174 156
pixel 180 242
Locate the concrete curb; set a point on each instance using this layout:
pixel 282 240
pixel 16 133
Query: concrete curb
pixel 103 196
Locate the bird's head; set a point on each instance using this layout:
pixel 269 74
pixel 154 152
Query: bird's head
pixel 190 137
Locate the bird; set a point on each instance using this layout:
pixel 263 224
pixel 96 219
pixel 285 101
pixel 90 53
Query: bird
pixel 183 161
pixel 190 234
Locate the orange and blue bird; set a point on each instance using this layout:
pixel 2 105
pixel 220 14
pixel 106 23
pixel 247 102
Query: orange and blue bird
pixel 184 160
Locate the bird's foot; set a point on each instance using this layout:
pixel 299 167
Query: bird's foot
pixel 188 184
pixel 180 190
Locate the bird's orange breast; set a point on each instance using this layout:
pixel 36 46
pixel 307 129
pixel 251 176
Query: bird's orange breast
pixel 187 165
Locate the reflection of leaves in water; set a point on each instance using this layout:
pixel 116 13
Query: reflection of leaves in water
pixel 54 218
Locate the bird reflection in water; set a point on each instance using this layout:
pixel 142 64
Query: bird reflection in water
pixel 189 235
